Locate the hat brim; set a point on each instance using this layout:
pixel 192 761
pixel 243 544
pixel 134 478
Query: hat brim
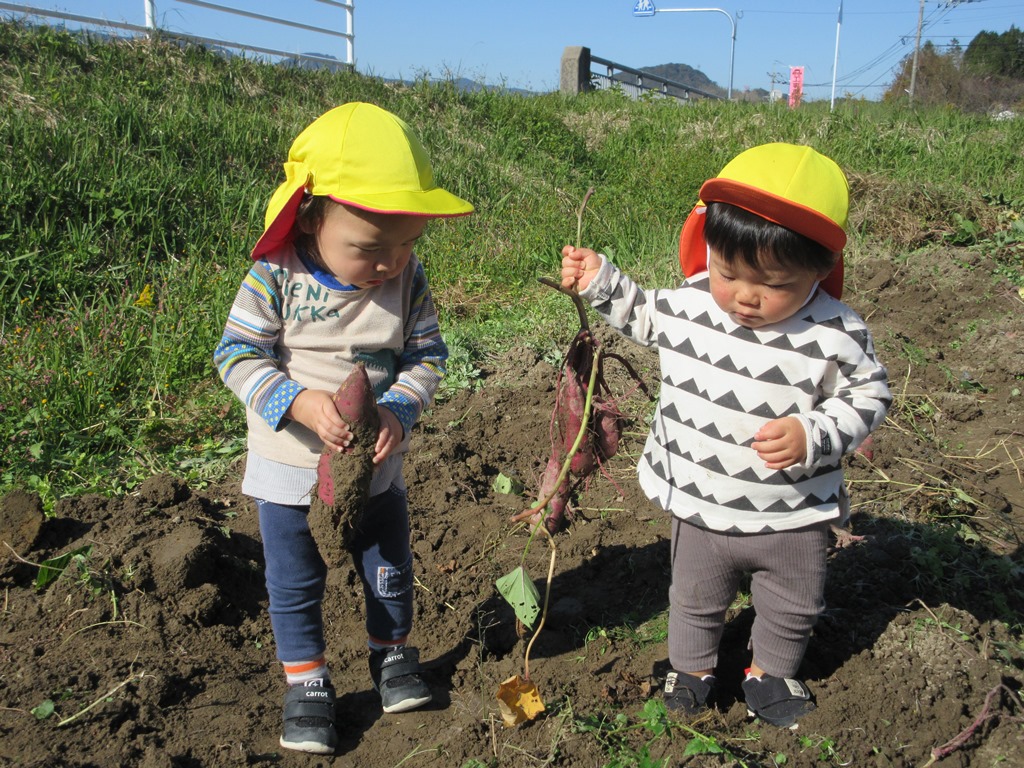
pixel 693 253
pixel 435 203
pixel 799 218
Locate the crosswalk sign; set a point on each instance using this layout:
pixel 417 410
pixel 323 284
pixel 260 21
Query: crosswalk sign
pixel 644 8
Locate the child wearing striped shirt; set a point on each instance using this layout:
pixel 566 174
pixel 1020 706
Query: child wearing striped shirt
pixel 767 381
pixel 334 282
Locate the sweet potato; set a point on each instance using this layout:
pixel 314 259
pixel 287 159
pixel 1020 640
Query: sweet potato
pixel 608 429
pixel 558 491
pixel 339 496
pixel 586 424
pixel 570 413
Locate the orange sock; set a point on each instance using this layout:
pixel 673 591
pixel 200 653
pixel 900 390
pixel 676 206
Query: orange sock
pixel 382 645
pixel 298 672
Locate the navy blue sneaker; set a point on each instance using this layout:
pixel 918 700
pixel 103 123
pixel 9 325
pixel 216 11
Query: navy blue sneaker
pixel 309 718
pixel 688 694
pixel 779 701
pixel 396 676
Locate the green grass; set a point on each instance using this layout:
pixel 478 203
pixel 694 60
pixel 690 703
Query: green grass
pixel 134 176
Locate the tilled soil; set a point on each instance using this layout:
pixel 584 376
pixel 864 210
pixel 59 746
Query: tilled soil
pixel 155 648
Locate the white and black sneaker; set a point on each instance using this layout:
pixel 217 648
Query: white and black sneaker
pixel 688 694
pixel 309 718
pixel 396 676
pixel 780 701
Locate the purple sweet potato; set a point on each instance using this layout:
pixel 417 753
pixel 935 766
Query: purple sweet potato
pixel 570 412
pixel 583 434
pixel 608 430
pixel 573 437
pixel 339 496
pixel 559 492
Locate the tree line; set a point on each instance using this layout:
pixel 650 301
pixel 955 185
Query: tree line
pixel 987 76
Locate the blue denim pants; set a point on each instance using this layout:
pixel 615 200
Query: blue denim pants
pixel 296 574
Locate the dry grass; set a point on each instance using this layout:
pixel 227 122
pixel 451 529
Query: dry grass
pixel 908 214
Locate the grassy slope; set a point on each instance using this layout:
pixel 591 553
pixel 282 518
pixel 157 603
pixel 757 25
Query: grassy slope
pixel 134 177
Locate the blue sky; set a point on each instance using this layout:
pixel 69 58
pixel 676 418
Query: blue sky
pixel 520 44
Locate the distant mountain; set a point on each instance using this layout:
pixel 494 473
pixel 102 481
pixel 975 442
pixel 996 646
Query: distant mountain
pixel 694 78
pixel 687 75
pixel 322 61
pixel 336 65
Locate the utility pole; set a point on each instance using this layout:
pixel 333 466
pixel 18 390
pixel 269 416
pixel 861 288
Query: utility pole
pixel 917 50
pixel 774 95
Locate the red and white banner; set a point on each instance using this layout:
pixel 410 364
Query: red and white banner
pixel 796 86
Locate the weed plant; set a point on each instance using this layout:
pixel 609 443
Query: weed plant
pixel 134 177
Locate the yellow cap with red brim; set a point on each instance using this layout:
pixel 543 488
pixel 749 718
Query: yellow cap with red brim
pixel 788 184
pixel 360 155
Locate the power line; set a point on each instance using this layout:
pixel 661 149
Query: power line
pixel 893 53
pixel 897 51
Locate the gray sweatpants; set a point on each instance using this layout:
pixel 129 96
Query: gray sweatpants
pixel 787 588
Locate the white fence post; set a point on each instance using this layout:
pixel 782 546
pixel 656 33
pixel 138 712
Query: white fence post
pixel 350 29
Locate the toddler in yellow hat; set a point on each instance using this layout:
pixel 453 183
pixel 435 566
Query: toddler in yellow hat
pixel 334 282
pixel 767 381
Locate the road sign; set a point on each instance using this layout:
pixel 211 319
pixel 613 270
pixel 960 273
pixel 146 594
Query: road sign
pixel 644 8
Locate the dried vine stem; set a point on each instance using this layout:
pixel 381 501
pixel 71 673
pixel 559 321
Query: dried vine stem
pixel 581 308
pixel 579 218
pixel 134 677
pixel 547 597
pixel 951 746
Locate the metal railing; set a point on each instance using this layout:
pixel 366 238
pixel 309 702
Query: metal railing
pixel 579 74
pixel 635 83
pixel 152 26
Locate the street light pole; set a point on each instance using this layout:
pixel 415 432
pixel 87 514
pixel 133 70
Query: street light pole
pixel 646 8
pixel 835 61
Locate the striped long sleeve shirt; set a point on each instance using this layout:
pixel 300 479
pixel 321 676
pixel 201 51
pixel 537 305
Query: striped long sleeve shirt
pixel 720 382
pixel 293 327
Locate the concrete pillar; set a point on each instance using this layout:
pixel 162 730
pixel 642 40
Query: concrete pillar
pixel 575 72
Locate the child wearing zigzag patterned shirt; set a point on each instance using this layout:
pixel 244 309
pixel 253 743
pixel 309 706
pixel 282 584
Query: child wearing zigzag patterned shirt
pixel 767 381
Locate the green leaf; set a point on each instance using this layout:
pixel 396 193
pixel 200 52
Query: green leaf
pixel 702 745
pixel 43 710
pixel 51 569
pixel 506 485
pixel 521 594
pixel 655 716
